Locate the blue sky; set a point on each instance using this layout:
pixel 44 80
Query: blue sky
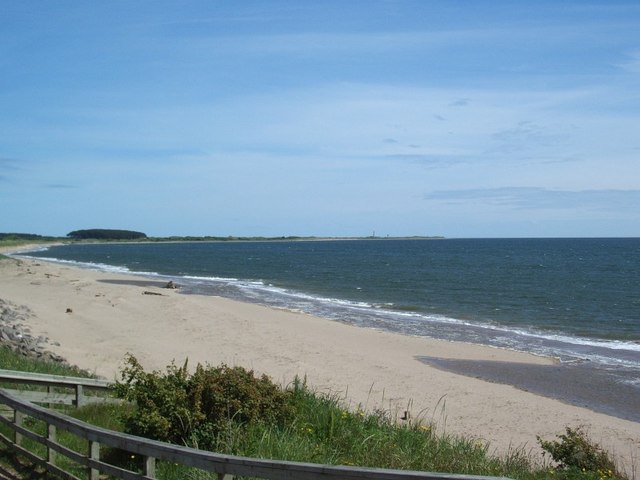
pixel 455 118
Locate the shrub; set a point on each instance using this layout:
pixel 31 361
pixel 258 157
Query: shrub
pixel 162 411
pixel 576 451
pixel 193 409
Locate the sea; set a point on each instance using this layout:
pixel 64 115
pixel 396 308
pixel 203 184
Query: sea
pixel 574 299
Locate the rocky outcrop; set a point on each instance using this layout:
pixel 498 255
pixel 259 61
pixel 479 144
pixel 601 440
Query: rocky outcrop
pixel 15 334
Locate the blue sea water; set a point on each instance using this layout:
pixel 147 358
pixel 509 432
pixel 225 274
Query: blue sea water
pixel 574 299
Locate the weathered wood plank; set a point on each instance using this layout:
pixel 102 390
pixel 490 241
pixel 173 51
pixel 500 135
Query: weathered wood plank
pixel 55 380
pixel 35 396
pixel 39 461
pixel 94 455
pixel 117 472
pixel 51 437
pixel 58 398
pixel 150 467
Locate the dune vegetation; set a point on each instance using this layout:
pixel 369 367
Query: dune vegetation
pixel 233 411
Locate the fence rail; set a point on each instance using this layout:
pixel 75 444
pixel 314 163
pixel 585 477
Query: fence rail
pixel 59 389
pixel 225 466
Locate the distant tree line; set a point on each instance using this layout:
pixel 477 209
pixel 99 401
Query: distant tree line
pixel 128 235
pixel 105 234
pixel 24 236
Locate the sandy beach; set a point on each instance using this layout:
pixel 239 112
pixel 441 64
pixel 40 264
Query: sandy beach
pixel 97 318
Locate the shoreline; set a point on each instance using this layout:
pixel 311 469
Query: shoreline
pixel 111 316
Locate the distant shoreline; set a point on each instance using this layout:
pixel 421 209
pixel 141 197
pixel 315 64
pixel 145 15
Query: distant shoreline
pixel 266 239
pixel 253 239
pixel 48 241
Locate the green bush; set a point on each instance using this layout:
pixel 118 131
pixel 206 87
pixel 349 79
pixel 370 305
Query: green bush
pixel 193 409
pixel 576 451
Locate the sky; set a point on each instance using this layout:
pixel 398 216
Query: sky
pixel 332 118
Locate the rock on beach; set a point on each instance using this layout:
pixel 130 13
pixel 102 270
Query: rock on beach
pixel 16 335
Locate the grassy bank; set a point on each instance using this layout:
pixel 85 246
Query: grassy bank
pixel 8 242
pixel 315 428
pixel 10 360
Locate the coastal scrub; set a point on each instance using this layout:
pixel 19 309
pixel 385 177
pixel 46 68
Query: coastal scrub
pixel 574 453
pixel 194 409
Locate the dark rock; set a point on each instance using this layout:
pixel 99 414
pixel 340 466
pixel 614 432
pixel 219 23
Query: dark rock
pixel 15 335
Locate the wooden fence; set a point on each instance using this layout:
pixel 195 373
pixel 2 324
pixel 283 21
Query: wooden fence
pixel 224 467
pixel 59 389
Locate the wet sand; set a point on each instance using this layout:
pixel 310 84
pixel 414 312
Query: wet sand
pixel 578 384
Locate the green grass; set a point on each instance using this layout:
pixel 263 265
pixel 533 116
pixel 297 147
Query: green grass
pixel 17 242
pixel 12 243
pixel 10 360
pixel 320 431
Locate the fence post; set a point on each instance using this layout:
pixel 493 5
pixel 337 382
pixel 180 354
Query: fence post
pixel 49 392
pixel 79 396
pixel 94 454
pixel 18 417
pixel 51 436
pixel 150 467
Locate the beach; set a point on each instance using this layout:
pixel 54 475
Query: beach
pixel 93 319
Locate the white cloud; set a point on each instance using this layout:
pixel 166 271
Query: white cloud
pixel 633 63
pixel 533 198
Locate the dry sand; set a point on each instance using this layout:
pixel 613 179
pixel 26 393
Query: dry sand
pixel 111 316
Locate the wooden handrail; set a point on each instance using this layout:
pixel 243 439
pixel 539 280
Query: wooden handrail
pixel 52 380
pixel 77 384
pixel 151 450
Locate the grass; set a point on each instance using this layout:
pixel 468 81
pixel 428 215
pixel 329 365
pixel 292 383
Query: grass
pixel 10 360
pixel 12 243
pixel 324 432
pixel 321 431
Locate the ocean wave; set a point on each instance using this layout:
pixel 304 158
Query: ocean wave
pixel 419 319
pixel 313 302
pixel 208 279
pixel 564 347
pixel 101 267
pixel 271 289
pixel 24 253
